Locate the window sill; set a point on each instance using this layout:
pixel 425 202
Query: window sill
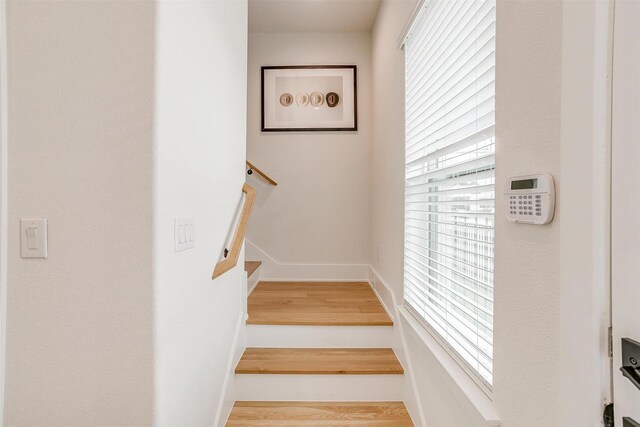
pixel 472 391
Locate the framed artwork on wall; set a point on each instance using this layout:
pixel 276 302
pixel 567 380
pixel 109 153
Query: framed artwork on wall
pixel 299 98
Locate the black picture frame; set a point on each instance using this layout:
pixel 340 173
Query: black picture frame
pixel 309 75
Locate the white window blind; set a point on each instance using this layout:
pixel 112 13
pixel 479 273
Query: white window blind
pixel 450 179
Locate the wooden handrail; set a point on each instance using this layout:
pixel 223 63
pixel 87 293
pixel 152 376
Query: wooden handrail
pixel 262 174
pixel 241 229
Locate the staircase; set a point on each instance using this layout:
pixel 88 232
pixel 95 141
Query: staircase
pixel 318 354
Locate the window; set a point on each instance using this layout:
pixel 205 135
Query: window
pixel 450 177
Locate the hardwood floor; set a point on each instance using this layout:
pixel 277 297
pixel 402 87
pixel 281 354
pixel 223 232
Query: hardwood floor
pixel 317 414
pixel 351 361
pixel 316 303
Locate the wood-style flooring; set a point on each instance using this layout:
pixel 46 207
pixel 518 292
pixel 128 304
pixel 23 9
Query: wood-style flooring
pixel 319 414
pixel 316 303
pixel 328 361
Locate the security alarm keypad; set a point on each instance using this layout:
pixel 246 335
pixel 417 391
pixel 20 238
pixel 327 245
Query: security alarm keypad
pixel 530 199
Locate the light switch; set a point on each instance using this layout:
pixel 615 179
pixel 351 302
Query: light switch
pixel 33 238
pixel 184 233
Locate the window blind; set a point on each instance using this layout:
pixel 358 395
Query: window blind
pixel 450 179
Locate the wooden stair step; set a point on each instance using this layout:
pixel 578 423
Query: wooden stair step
pixel 251 266
pixel 312 361
pixel 316 303
pixel 360 414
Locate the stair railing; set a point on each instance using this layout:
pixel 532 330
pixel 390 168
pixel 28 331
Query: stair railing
pixel 231 255
pixel 252 168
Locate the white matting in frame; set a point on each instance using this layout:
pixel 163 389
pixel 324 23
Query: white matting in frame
pixel 309 98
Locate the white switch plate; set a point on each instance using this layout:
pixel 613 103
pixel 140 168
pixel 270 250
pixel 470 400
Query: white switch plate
pixel 33 238
pixel 185 233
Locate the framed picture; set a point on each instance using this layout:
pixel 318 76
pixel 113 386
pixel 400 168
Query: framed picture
pixel 309 98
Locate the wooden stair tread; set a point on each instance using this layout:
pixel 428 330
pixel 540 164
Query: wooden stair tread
pixel 316 303
pixel 362 414
pixel 251 266
pixel 322 361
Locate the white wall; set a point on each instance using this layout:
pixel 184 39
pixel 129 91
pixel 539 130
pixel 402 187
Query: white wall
pixel 3 197
pixel 549 322
pixel 585 234
pixel 552 282
pixel 319 212
pixel 79 324
pixel 387 145
pixel 199 171
pixel 124 115
pixel 527 273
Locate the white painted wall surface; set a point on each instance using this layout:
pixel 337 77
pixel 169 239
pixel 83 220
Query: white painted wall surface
pixel 585 222
pixel 4 142
pixel 319 212
pixel 79 326
pixel 541 112
pixel 199 171
pixel 527 307
pixel 387 147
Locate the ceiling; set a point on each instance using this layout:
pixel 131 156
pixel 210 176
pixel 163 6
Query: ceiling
pixel 314 16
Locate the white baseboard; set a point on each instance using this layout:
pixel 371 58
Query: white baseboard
pixel 253 281
pixel 252 287
pixel 228 396
pixel 387 297
pixel 274 270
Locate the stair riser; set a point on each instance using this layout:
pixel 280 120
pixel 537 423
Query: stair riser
pixel 356 388
pixel 276 336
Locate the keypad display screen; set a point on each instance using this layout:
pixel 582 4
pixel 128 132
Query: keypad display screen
pixel 524 184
